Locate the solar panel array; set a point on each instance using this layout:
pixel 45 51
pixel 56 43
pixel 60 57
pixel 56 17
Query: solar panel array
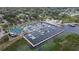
pixel 41 32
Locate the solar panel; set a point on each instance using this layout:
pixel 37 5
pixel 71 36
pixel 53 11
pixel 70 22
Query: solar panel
pixel 42 32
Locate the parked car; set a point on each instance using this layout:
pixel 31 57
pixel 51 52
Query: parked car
pixel 72 25
pixel 12 35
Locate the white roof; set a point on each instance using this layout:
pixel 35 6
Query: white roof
pixel 54 21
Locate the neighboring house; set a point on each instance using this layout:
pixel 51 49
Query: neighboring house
pixel 5 21
pixel 54 22
pixel 1 17
pixel 1 33
pixel 2 20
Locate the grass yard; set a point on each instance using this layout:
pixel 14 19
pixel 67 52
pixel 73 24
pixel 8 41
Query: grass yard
pixel 68 42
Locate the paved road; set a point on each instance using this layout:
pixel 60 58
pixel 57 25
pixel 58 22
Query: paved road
pixel 70 29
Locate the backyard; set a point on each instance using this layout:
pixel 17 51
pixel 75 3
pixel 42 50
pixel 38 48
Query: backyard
pixel 65 42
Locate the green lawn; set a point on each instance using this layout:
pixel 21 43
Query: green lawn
pixel 68 42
